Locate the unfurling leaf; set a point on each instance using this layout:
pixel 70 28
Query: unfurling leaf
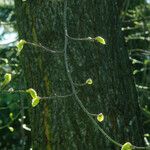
pixel 35 97
pixel 127 146
pixel 32 92
pixel 89 81
pixel 100 117
pixel 20 45
pixel 35 101
pixel 7 79
pixel 100 40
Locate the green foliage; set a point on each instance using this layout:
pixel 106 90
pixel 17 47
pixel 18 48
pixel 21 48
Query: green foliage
pixel 10 104
pixel 33 93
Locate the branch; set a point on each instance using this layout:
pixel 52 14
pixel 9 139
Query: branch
pixel 43 47
pixel 57 96
pixel 80 39
pixel 72 84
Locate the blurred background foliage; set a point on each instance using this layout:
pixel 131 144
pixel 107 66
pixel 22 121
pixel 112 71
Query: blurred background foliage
pixel 14 121
pixel 13 115
pixel 136 31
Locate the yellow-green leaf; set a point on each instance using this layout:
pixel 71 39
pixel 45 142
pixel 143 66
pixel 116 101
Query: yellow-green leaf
pixel 7 79
pixel 20 46
pixel 89 81
pixel 11 129
pixel 32 92
pixel 11 116
pixel 135 72
pixel 100 117
pixel 35 101
pixel 100 40
pixel 127 146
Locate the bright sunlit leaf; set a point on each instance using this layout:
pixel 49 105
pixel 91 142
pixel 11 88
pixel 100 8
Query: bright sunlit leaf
pixel 89 81
pixel 100 117
pixel 20 46
pixel 35 101
pixel 7 79
pixel 127 146
pixel 11 129
pixel 32 92
pixel 11 116
pixel 100 40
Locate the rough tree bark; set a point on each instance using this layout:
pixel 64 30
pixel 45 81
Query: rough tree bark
pixel 60 124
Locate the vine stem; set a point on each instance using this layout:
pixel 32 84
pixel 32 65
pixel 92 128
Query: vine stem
pixel 72 84
pixel 44 48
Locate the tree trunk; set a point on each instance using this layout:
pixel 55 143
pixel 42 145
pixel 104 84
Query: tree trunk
pixel 59 123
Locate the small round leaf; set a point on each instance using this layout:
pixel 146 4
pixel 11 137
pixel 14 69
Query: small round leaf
pixel 11 116
pixel 100 117
pixel 89 81
pixel 127 146
pixel 100 40
pixel 11 129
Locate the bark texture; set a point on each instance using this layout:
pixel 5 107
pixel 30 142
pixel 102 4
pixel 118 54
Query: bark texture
pixel 60 124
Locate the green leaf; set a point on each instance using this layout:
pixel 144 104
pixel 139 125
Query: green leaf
pixel 100 117
pixel 89 81
pixel 135 72
pixel 35 101
pixel 11 116
pixel 32 92
pixel 7 79
pixel 100 40
pixel 127 146
pixel 11 129
pixel 20 46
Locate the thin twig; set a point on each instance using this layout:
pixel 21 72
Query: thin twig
pixel 44 48
pixel 80 39
pixel 57 96
pixel 10 122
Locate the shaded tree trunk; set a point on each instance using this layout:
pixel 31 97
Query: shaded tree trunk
pixel 61 123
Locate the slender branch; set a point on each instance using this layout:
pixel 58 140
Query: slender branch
pixel 57 96
pixel 44 48
pixel 141 148
pixel 13 91
pixel 10 122
pixel 72 84
pixel 4 108
pixel 80 39
pixel 81 84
